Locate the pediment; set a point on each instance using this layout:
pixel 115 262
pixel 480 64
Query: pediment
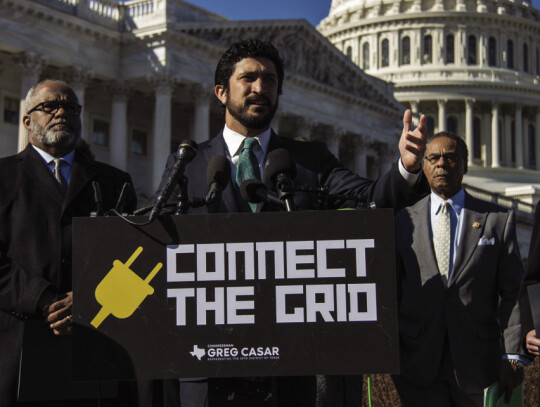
pixel 308 57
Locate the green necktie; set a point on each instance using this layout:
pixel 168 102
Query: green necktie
pixel 248 166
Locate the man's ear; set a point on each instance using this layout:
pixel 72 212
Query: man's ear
pixel 26 121
pixel 221 94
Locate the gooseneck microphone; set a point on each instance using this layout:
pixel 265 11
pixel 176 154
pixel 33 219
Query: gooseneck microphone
pixel 254 191
pixel 280 170
pixel 185 154
pixel 218 174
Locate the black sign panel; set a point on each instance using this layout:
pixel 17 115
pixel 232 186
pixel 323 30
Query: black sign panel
pixel 222 295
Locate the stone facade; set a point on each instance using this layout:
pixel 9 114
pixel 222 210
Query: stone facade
pixel 144 71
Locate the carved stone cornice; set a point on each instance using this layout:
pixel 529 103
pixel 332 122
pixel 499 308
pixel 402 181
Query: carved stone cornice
pixel 31 63
pixel 77 77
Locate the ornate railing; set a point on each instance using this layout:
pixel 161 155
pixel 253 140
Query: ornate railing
pixel 523 210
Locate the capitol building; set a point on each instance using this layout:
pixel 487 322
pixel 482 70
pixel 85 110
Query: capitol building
pixel 471 66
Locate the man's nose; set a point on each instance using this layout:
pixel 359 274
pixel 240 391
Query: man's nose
pixel 258 86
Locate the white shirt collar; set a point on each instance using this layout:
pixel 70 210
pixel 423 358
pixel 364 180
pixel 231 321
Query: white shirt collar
pixel 456 202
pixel 68 158
pixel 234 140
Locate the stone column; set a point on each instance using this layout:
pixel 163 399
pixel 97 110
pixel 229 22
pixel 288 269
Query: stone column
pixel 385 156
pixel 276 121
pixel 414 110
pixel 161 141
pixel 508 140
pixel 525 138
pixel 469 128
pixel 333 140
pixel 442 115
pixel 495 136
pixel 519 137
pixel 202 97
pixel 360 156
pixel 119 129
pixel 31 66
pixel 78 78
pixel 537 139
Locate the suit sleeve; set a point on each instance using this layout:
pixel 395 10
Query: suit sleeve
pixel 388 191
pixel 532 276
pixel 510 273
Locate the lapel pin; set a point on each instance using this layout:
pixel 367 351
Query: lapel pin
pixel 476 225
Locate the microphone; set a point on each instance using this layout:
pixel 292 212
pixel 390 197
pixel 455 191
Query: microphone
pixel 97 199
pixel 123 195
pixel 254 191
pixel 218 174
pixel 185 154
pixel 280 169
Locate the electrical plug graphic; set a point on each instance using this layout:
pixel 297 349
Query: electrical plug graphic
pixel 121 291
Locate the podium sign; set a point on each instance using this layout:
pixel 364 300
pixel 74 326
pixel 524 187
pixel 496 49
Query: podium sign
pixel 268 294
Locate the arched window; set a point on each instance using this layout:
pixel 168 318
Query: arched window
pixel 384 53
pixel 492 52
pixel 450 49
pixel 365 56
pixel 471 50
pixel 477 138
pixel 510 54
pixel 452 124
pixel 405 51
pixel 532 146
pixel 525 58
pixel 428 49
pixel 349 52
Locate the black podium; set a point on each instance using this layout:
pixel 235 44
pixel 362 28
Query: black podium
pixel 225 295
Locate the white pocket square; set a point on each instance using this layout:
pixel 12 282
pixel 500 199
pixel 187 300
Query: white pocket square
pixel 484 241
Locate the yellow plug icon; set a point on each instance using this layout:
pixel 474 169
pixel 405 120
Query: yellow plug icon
pixel 121 291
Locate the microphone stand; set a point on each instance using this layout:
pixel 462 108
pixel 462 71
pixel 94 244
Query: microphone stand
pixel 183 199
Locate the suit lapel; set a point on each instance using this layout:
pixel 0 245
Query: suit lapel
pixel 217 146
pixel 422 243
pixel 82 173
pixel 470 235
pixel 34 166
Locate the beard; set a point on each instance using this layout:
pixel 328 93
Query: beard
pixel 52 136
pixel 241 111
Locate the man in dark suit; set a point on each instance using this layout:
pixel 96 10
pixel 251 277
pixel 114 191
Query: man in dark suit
pixel 248 82
pixel 41 190
pixel 532 276
pixel 458 276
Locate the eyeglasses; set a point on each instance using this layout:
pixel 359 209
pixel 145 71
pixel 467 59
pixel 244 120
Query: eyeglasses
pixel 450 158
pixel 52 107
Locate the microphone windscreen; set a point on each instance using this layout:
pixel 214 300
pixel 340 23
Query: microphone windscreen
pixel 187 150
pixel 218 170
pixel 248 190
pixel 277 162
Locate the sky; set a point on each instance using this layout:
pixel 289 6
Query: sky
pixel 312 10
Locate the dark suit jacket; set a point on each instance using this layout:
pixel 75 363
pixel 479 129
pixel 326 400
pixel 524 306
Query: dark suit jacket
pixel 480 329
pixel 35 240
pixel 316 166
pixel 532 276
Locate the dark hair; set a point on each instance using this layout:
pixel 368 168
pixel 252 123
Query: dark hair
pixel 462 149
pixel 238 51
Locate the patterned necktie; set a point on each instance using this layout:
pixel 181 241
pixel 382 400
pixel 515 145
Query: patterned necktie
pixel 248 166
pixel 441 241
pixel 62 183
